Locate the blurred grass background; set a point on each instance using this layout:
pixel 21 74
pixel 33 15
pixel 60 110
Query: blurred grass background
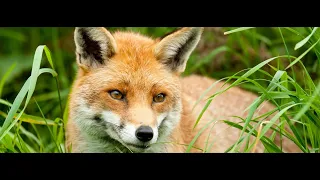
pixel 217 56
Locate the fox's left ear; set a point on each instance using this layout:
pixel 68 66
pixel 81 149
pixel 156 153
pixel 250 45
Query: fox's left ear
pixel 175 48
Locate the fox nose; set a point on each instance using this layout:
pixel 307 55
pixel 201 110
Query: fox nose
pixel 144 133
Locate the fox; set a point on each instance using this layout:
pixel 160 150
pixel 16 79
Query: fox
pixel 129 95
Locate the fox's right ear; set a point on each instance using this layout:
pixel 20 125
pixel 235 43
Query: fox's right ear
pixel 94 46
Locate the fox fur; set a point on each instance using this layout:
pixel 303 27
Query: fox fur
pixel 140 68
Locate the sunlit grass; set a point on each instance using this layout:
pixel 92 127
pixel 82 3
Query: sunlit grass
pixel 13 120
pixel 302 103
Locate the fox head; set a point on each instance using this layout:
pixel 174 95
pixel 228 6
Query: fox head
pixel 127 91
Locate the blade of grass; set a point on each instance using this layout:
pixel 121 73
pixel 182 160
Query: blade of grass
pixel 48 54
pixel 208 89
pixel 52 136
pixel 16 104
pixel 5 77
pixel 305 40
pixel 197 136
pixel 308 104
pixel 237 30
pixel 5 102
pixel 31 119
pixel 209 57
pixel 27 89
pixel 302 55
pixel 272 121
pixel 285 45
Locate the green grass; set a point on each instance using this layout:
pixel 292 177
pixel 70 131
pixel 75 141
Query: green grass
pixel 281 65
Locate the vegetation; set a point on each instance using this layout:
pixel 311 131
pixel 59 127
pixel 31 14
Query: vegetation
pixel 281 65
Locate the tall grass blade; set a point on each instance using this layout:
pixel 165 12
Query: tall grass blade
pixel 302 55
pixel 305 40
pixel 237 30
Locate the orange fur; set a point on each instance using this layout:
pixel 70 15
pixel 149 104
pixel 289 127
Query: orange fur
pixel 136 70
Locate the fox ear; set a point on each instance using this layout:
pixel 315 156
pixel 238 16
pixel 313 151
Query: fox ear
pixel 175 48
pixel 94 45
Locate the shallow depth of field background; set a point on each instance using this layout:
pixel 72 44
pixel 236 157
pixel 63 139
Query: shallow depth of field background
pixel 217 55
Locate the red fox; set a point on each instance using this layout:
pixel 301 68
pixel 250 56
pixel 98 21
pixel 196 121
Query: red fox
pixel 129 96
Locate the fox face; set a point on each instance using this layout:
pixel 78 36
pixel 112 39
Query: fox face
pixel 127 94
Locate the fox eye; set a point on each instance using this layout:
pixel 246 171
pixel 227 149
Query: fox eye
pixel 159 98
pixel 115 94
